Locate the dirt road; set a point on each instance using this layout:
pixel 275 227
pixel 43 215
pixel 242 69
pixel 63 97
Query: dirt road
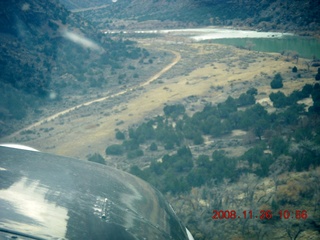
pixel 90 129
pixel 150 80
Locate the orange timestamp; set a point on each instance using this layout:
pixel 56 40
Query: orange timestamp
pixel 263 214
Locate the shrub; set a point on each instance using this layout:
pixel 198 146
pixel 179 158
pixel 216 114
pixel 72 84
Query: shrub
pixel 114 149
pixel 277 81
pixel 289 193
pixel 278 146
pixel 136 75
pixel 169 145
pixel 294 69
pixel 318 75
pixel 120 135
pixel 198 139
pixel 306 90
pixel 134 154
pixel 96 157
pixel 153 147
pixel 135 170
pixel 174 110
pixel 278 99
pixel 246 99
pixel 252 91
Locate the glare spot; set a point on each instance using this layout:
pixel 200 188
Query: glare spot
pixel 18 146
pixel 25 7
pixel 114 1
pixel 52 95
pixel 28 198
pixel 81 40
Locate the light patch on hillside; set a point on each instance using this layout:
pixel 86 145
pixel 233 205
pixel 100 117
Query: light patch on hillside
pixel 81 40
pixel 25 7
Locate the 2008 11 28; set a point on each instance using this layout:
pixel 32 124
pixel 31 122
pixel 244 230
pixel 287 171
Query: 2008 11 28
pixel 264 214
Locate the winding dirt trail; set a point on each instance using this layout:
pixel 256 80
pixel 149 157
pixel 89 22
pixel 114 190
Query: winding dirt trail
pixel 61 113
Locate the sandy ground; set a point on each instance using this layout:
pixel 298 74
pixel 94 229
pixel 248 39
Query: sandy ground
pixel 88 129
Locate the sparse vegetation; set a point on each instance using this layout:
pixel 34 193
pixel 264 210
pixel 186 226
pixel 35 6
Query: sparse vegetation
pixel 271 15
pixel 275 151
pixel 97 158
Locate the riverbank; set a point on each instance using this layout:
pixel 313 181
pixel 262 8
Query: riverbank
pixel 205 33
pixel 278 42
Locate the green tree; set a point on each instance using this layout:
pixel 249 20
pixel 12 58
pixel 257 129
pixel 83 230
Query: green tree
pixel 222 166
pixel 317 77
pixel 157 167
pixel 294 69
pixel 144 132
pixel 246 99
pixel 203 161
pixel 295 96
pixel 174 110
pixel 134 154
pixel 153 147
pixel 259 127
pixel 184 152
pixel 169 145
pixel 248 118
pixel 277 81
pixel 227 107
pixel 265 162
pixel 306 155
pixel 198 139
pixel 198 177
pixel 135 170
pixel 114 149
pixel 130 145
pixel 120 135
pixel 252 91
pixel 316 99
pixel 290 116
pixel 306 90
pixel 278 99
pixel 278 146
pixel 253 154
pixel 136 75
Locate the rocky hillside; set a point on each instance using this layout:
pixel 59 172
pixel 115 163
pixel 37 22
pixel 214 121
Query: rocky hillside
pixel 295 15
pixel 46 52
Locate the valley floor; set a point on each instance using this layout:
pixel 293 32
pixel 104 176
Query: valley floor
pixel 198 73
pixel 210 72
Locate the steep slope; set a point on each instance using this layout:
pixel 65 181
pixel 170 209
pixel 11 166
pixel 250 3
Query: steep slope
pixel 48 53
pixel 266 14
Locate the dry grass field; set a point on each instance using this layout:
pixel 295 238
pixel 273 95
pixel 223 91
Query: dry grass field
pixel 210 72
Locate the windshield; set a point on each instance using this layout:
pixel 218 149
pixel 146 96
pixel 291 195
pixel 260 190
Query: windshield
pixel 214 103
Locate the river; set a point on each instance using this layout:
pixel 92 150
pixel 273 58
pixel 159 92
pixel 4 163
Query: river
pixel 306 47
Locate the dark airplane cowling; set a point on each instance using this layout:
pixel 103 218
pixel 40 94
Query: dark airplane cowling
pixel 43 196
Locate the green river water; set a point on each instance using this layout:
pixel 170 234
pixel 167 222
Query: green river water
pixel 306 47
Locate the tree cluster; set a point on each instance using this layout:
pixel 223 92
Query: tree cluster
pixel 181 171
pixel 280 100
